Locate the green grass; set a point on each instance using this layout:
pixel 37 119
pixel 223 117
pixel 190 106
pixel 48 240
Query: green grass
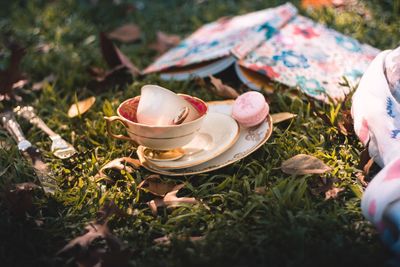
pixel 287 225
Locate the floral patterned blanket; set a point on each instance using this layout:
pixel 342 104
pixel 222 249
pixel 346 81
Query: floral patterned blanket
pixel 278 43
pixel 311 56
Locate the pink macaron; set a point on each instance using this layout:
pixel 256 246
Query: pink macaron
pixel 250 109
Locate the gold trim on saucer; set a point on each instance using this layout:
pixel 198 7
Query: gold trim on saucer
pixel 216 154
pixel 252 135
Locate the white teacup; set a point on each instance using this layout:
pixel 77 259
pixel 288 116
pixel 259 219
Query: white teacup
pixel 159 106
pixel 164 137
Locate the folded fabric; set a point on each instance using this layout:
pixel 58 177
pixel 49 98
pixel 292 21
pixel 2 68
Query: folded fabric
pixel 312 57
pixel 376 113
pixel 226 36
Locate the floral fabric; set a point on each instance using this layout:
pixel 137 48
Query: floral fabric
pixel 226 36
pixel 311 56
pixel 376 113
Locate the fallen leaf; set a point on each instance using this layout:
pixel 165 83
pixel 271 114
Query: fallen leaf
pixel 345 123
pixel 171 200
pixel 166 240
pixel 114 57
pixel 282 116
pixel 260 190
pixel 39 85
pixel 223 90
pixel 304 164
pixel 361 178
pixel 119 164
pixel 19 198
pixel 365 161
pixel 316 3
pixel 165 42
pixel 86 252
pixel 127 33
pixel 11 75
pixel 81 107
pixel 154 185
pixel 20 84
pixel 333 193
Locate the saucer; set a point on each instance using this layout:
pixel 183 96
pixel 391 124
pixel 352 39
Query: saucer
pixel 218 133
pixel 249 140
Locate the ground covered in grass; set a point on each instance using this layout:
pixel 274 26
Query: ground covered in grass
pixel 287 222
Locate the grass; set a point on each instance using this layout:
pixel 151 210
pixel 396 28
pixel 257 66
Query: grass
pixel 287 225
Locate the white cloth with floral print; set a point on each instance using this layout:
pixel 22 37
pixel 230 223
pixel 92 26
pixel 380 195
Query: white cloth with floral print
pixel 376 113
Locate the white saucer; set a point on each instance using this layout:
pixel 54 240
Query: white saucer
pixel 218 133
pixel 250 139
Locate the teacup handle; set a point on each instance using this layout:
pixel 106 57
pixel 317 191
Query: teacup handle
pixel 109 121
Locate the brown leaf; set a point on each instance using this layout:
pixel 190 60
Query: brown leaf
pixel 20 84
pixel 127 33
pixel 81 107
pixel 166 240
pixel 223 90
pixel 260 190
pixel 12 74
pixel 304 164
pixel 345 123
pixel 86 253
pixel 282 116
pixel 316 3
pixel 165 42
pixel 171 200
pixel 114 57
pixel 361 178
pixel 333 193
pixel 19 198
pixel 154 185
pixel 119 164
pixel 366 161
pixel 39 85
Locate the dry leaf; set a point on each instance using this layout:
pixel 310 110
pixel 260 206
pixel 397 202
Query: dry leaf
pixel 119 164
pixel 304 164
pixel 20 84
pixel 316 3
pixel 165 42
pixel 282 116
pixel 260 190
pixel 166 240
pixel 171 200
pixel 365 161
pixel 81 107
pixel 114 57
pixel 86 252
pixel 127 33
pixel 345 123
pixel 39 85
pixel 223 90
pixel 154 185
pixel 333 193
pixel 361 178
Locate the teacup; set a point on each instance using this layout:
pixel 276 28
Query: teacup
pixel 165 137
pixel 160 106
